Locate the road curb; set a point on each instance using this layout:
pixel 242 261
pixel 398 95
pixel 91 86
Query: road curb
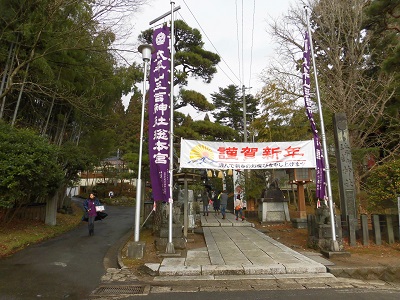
pixel 123 242
pixel 388 274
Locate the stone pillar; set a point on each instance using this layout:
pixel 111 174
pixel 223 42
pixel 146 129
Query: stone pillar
pixel 302 201
pixel 185 208
pixel 389 229
pixel 365 231
pixel 352 224
pixel 136 250
pixel 345 167
pixel 377 229
pixel 311 225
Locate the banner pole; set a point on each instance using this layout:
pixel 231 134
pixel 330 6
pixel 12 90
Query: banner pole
pixel 335 245
pixel 170 245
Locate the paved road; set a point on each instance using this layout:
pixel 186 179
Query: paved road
pixel 314 294
pixel 69 266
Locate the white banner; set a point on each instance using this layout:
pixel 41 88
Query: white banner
pixel 224 155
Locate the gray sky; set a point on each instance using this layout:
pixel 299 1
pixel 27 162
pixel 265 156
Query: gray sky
pixel 244 52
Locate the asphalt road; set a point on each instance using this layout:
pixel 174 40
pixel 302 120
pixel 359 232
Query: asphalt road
pixel 313 294
pixel 69 266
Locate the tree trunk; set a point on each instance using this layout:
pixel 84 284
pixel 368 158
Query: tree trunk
pixel 64 125
pixel 20 96
pixel 5 77
pixel 53 204
pixel 51 211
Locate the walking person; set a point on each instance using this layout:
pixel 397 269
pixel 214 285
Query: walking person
pixel 206 201
pixel 216 202
pixel 90 207
pixel 239 208
pixel 224 202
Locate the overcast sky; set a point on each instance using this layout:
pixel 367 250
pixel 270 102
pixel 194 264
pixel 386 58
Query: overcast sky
pixel 220 23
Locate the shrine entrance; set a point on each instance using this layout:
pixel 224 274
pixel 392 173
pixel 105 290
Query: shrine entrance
pixel 296 158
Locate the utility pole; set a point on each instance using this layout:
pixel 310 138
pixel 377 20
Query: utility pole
pixel 244 115
pixel 244 134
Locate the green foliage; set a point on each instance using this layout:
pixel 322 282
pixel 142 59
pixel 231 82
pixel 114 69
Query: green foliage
pixel 196 100
pixel 382 20
pixel 73 67
pixel 210 131
pixel 383 25
pixel 229 107
pixel 28 167
pixel 282 119
pixel 255 183
pixel 100 143
pixel 383 186
pixel 74 159
pixel 190 57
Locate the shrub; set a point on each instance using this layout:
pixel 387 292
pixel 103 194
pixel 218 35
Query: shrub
pixel 383 186
pixel 28 167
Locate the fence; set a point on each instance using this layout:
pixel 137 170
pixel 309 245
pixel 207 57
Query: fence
pixel 33 211
pixel 365 230
pixel 375 228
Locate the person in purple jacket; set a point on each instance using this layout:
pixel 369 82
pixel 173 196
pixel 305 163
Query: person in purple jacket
pixel 90 206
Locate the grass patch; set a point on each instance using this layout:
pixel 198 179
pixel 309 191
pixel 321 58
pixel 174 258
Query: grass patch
pixel 150 253
pixel 19 234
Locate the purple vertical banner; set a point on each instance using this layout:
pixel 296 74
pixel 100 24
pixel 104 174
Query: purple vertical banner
pixel 320 172
pixel 159 114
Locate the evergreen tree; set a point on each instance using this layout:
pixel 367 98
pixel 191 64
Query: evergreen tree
pixel 62 75
pixel 229 108
pixel 190 60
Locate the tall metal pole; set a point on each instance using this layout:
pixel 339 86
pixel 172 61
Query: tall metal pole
pixel 334 245
pixel 244 135
pixel 170 246
pixel 244 115
pixel 146 51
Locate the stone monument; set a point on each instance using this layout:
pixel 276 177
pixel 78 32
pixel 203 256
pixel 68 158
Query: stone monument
pixel 177 233
pixel 346 177
pixel 273 206
pixel 345 167
pixel 319 229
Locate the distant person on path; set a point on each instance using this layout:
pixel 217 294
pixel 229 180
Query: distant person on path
pixel 224 202
pixel 90 206
pixel 216 202
pixel 239 208
pixel 206 199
